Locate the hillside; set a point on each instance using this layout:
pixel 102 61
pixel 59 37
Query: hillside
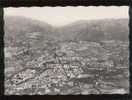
pixel 95 30
pixel 17 24
pixel 20 29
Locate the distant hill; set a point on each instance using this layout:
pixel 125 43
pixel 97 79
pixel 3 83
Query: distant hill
pixel 18 28
pixel 84 30
pixel 96 30
pixel 17 24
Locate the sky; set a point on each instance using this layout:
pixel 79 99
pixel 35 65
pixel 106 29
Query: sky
pixel 59 16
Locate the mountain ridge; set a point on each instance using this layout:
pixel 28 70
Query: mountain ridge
pixel 82 30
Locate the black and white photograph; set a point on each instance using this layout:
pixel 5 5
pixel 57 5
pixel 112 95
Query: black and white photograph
pixel 66 50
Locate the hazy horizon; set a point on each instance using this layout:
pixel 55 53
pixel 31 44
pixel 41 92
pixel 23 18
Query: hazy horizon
pixel 59 26
pixel 61 16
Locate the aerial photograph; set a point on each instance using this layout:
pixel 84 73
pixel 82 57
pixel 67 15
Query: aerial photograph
pixel 66 50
